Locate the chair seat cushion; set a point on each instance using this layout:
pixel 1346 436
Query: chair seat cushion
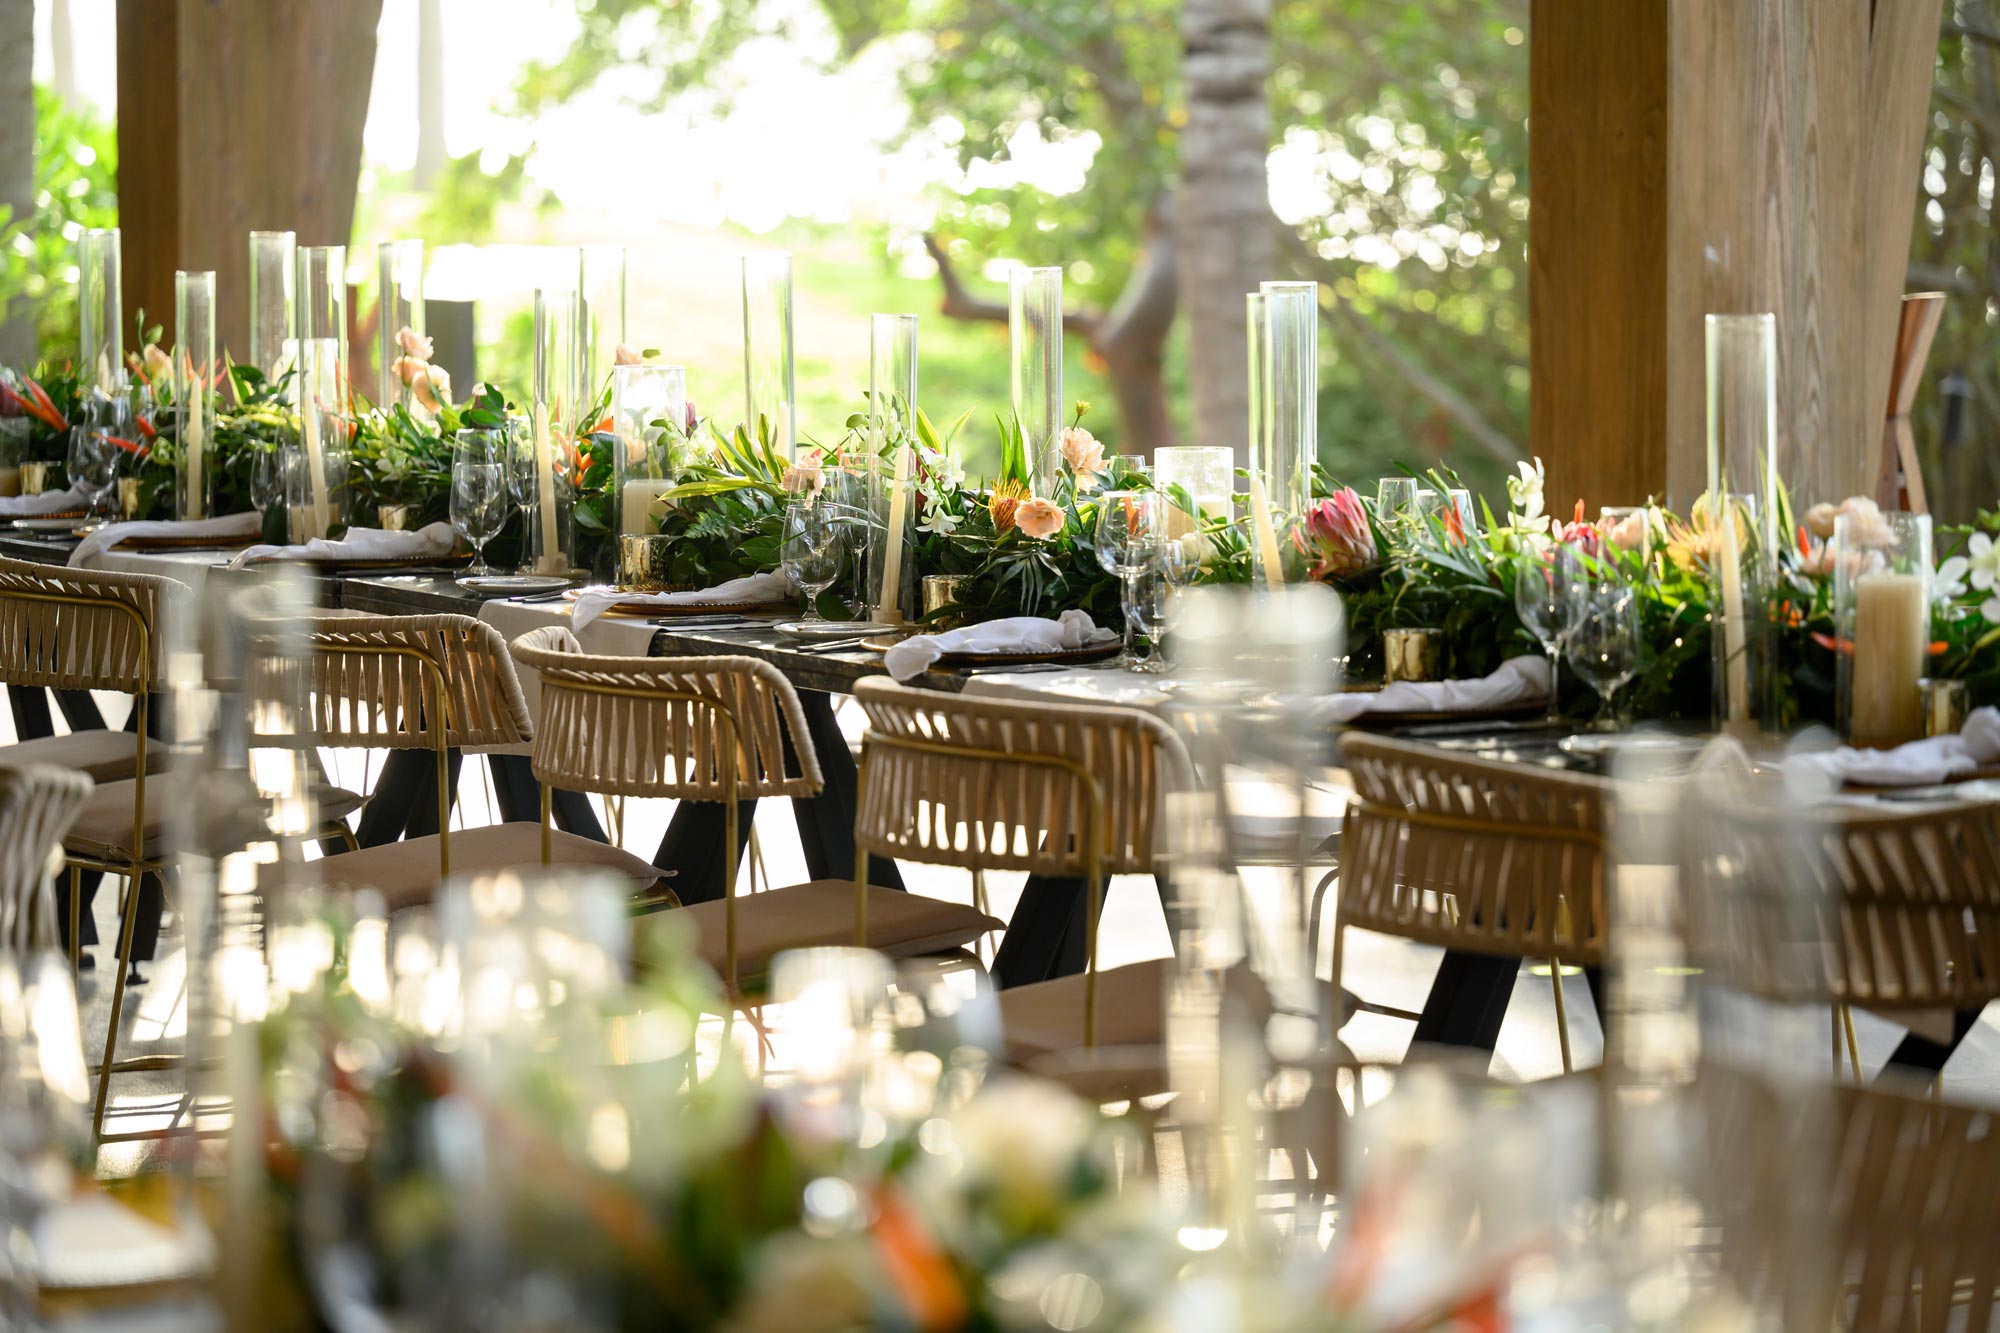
pixel 104 829
pixel 821 914
pixel 406 873
pixel 100 755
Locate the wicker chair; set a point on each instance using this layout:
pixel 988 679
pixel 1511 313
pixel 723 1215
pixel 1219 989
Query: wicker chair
pixel 1052 789
pixel 714 729
pixel 427 683
pixel 1473 854
pixel 37 806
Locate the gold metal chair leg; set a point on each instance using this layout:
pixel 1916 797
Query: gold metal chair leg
pixel 1833 1023
pixel 1853 1046
pixel 860 897
pixel 128 921
pixel 758 874
pixel 548 841
pixel 1562 1013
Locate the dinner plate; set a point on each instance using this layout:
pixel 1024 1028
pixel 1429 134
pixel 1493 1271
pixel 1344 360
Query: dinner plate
pixel 51 523
pixel 511 583
pixel 1090 652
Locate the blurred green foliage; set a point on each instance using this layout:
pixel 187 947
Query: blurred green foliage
pixel 76 187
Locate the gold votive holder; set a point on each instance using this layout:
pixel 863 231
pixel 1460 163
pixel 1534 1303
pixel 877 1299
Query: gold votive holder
pixel 395 518
pixel 1411 654
pixel 643 562
pixel 35 478
pixel 1946 703
pixel 128 497
pixel 940 591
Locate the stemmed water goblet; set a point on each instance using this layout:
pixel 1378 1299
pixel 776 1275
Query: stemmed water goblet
pixel 93 468
pixel 479 491
pixel 1545 597
pixel 1603 646
pixel 267 477
pixel 1131 527
pixel 810 551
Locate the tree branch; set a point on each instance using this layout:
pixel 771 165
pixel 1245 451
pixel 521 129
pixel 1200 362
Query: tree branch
pixel 1145 309
pixel 958 302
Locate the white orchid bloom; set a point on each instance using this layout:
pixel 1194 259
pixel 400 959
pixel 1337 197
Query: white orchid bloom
pixel 1525 493
pixel 938 520
pixel 1948 583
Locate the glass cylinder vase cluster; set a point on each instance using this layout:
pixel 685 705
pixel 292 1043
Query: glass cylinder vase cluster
pixel 548 541
pixel 1738 516
pixel 322 387
pixel 1035 370
pixel 400 318
pixel 99 300
pixel 1283 321
pixel 1882 616
pixel 273 271
pixel 195 366
pixel 890 580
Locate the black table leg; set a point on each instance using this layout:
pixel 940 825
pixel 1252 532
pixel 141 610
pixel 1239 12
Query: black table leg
pixel 80 710
pixel 826 821
pixel 692 847
pixel 404 803
pixel 1921 1055
pixel 422 819
pixel 1468 1000
pixel 30 707
pixel 1045 937
pixel 520 798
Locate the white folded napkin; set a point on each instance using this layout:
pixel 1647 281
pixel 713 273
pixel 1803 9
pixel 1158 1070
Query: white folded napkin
pixel 753 589
pixel 225 529
pixel 39 506
pixel 1915 764
pixel 434 541
pixel 1518 680
pixel 1016 634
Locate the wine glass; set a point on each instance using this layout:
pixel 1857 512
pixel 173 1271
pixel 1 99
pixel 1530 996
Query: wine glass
pixel 1544 596
pixel 93 469
pixel 1603 645
pixel 1131 527
pixel 478 491
pixel 267 477
pixel 1394 496
pixel 810 552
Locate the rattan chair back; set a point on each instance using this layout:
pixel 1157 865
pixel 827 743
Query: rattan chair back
pixel 37 806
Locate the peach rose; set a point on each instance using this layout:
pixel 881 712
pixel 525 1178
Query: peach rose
pixel 1037 517
pixel 432 386
pixel 158 366
pixel 625 354
pixel 1084 454
pixel 1819 520
pixel 406 368
pixel 411 343
pixel 1628 533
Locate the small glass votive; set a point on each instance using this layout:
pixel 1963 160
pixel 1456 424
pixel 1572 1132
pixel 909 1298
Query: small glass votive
pixel 1946 704
pixel 395 518
pixel 1411 654
pixel 941 591
pixel 35 478
pixel 643 561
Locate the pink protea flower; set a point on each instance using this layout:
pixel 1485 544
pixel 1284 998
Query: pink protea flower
pixel 1334 534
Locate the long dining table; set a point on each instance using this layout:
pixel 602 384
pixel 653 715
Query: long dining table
pixel 1465 1006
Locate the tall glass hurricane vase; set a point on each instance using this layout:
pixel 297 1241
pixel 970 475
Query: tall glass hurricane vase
pixel 322 396
pixel 770 398
pixel 550 535
pixel 890 574
pixel 273 271
pixel 1035 369
pixel 1282 454
pixel 1882 609
pixel 648 407
pixel 1740 514
pixel 600 322
pixel 401 314
pixel 194 394
pixel 101 357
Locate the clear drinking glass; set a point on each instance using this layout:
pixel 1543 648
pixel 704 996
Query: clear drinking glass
pixel 93 469
pixel 1603 646
pixel 811 551
pixel 479 490
pixel 1393 496
pixel 267 477
pixel 1545 597
pixel 1131 527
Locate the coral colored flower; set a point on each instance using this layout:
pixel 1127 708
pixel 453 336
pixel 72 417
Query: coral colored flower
pixel 625 354
pixel 1627 533
pixel 1085 456
pixel 411 343
pixel 1334 534
pixel 432 386
pixel 1039 518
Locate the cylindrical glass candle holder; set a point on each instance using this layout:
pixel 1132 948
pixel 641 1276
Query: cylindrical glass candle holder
pixel 1742 465
pixel 648 405
pixel 99 300
pixel 770 399
pixel 1200 480
pixel 400 316
pixel 549 541
pixel 890 579
pixel 322 367
pixel 273 271
pixel 600 326
pixel 194 394
pixel 1882 614
pixel 1035 370
pixel 1289 441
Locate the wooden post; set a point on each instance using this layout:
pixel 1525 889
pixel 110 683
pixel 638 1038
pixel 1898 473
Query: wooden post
pixel 1764 157
pixel 236 115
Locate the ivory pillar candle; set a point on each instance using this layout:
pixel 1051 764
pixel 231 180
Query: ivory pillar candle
pixel 1266 534
pixel 636 502
pixel 1736 666
pixel 316 512
pixel 891 608
pixel 551 560
pixel 1891 638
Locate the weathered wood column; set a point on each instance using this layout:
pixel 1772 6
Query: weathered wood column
pixel 1690 157
pixel 234 116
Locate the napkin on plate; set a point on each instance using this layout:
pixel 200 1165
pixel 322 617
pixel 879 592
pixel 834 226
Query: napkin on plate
pixel 1518 680
pixel 1916 764
pixel 752 589
pixel 41 506
pixel 432 542
pixel 1016 634
pixel 226 530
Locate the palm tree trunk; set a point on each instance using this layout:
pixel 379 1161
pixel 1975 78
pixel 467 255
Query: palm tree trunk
pixel 1226 242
